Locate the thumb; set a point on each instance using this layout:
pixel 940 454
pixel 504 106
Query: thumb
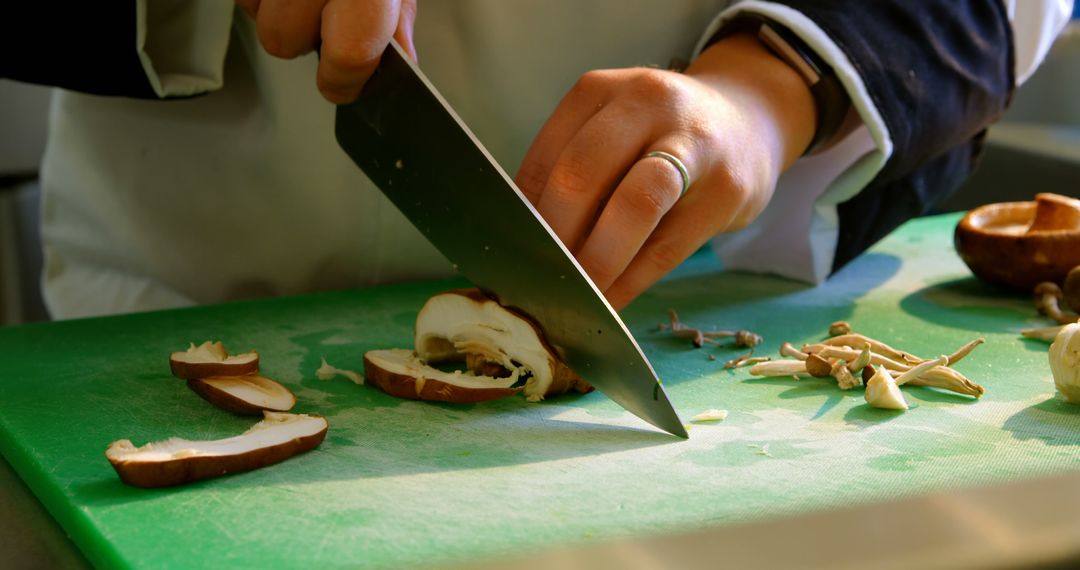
pixel 404 32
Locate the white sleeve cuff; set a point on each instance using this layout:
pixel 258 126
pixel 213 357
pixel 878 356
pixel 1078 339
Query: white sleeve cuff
pixel 182 44
pixel 1035 24
pixel 796 234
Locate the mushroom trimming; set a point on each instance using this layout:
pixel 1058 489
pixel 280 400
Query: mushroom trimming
pixel 843 356
pixel 1048 297
pixel 504 352
pixel 699 337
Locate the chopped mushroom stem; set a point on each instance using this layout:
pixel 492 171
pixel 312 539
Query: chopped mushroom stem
pixel 788 349
pixel 745 360
pixel 327 371
pixel 1048 298
pixel 844 378
pixel 699 337
pixel 919 370
pixel 818 367
pixel 1070 289
pixel 1045 334
pixel 878 347
pixel 839 328
pixel 948 379
pixel 779 368
pixel 862 361
pixel 851 354
pixel 964 351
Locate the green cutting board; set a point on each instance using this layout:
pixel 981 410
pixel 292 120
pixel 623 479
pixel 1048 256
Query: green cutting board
pixel 401 483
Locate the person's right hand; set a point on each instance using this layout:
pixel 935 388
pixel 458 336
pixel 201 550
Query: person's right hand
pixel 352 35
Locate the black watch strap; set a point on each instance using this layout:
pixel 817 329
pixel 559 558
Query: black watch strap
pixel 830 98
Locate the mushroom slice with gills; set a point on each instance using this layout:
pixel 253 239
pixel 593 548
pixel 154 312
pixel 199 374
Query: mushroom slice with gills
pixel 211 359
pixel 466 324
pixel 175 461
pixel 247 395
pixel 401 373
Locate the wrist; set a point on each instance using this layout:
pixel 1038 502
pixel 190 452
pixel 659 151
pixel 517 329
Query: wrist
pixel 742 68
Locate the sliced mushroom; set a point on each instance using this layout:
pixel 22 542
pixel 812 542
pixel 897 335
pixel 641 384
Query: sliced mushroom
pixel 465 324
pixel 247 395
pixel 403 374
pixel 175 461
pixel 211 359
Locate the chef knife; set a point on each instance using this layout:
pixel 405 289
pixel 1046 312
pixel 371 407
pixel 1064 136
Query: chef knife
pixel 415 148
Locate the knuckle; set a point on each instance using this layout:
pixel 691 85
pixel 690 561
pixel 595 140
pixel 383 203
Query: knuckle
pixel 650 201
pixel 657 86
pixel 664 256
pixel 276 44
pixel 590 82
pixel 353 56
pixel 569 177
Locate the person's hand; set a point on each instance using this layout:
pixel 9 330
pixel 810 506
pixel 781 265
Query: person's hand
pixel 352 34
pixel 735 119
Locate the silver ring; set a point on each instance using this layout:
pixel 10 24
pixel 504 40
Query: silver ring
pixel 678 164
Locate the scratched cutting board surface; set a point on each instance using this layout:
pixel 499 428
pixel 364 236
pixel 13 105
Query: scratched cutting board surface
pixel 401 483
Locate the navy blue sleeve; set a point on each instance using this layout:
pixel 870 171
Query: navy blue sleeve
pixel 939 72
pixel 82 46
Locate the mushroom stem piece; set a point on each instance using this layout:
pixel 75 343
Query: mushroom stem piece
pixel 780 368
pixel 1045 334
pixel 1048 297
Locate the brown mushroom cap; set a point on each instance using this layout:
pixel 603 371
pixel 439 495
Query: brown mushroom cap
pixel 175 461
pixel 1019 244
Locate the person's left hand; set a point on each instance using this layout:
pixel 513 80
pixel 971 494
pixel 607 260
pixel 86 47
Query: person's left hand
pixel 736 119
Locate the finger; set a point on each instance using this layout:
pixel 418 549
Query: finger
pixel 250 7
pixel 354 35
pixel 634 211
pixel 404 32
pixel 584 100
pixel 289 28
pixel 586 173
pixel 708 207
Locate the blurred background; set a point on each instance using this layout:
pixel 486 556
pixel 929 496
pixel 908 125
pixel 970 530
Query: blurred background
pixel 1036 148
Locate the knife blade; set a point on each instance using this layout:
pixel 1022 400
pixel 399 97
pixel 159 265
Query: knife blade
pixel 414 147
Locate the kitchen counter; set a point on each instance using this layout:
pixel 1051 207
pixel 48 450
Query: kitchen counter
pixel 401 483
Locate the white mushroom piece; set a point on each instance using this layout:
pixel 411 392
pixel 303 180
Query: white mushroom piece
pixel 1065 362
pixel 503 349
pixel 176 461
pixel 211 359
pixel 882 391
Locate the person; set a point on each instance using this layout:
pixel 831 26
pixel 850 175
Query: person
pixel 799 134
